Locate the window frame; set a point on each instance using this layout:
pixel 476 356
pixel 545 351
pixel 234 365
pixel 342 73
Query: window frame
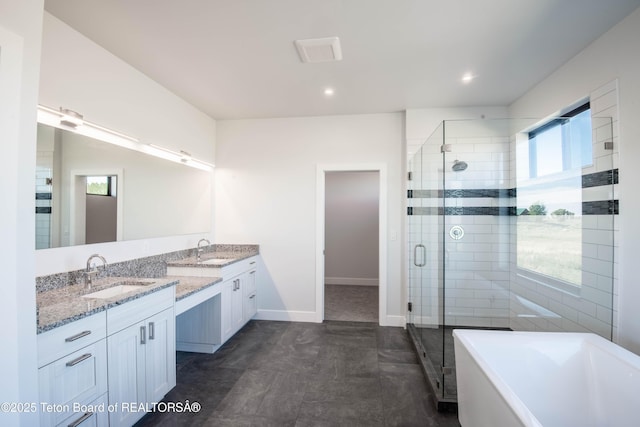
pixel 533 276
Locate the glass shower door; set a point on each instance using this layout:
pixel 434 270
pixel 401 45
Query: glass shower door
pixel 423 253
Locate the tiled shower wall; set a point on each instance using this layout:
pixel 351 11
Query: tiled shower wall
pixel 44 175
pixel 483 288
pixel 591 308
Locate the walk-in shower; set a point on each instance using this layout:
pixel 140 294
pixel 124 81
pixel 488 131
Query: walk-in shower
pixel 519 235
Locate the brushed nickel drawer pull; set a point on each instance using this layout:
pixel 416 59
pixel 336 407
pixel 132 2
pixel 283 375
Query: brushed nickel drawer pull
pixel 152 330
pixel 82 419
pixel 77 336
pixel 143 335
pixel 252 296
pixel 79 359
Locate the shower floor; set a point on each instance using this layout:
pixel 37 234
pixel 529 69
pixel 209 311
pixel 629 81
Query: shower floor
pixel 435 348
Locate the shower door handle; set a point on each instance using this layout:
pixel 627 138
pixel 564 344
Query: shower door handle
pixel 424 256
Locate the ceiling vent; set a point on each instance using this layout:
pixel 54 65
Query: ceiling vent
pixel 319 50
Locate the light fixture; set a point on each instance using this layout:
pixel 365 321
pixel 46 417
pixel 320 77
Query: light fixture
pixel 467 78
pixel 70 118
pixel 329 91
pixel 73 121
pixel 178 156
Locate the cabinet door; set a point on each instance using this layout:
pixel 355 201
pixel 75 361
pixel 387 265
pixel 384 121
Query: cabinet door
pixel 237 301
pixel 226 309
pixel 126 373
pixel 160 355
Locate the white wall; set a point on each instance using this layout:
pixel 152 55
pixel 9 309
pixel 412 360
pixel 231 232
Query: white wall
pixel 612 56
pixel 421 122
pixel 351 231
pixel 20 37
pixel 266 194
pixel 82 76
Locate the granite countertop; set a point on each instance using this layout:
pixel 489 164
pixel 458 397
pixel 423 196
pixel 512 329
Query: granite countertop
pixel 64 305
pixel 214 259
pixel 189 285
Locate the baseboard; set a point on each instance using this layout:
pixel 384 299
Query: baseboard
pixel 287 316
pixel 398 321
pixel 196 347
pixel 311 317
pixel 352 281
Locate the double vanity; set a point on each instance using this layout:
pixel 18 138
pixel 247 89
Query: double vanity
pixel 106 352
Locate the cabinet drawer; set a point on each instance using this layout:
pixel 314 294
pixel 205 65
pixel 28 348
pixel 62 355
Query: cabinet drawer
pixel 139 309
pixel 93 414
pixel 238 267
pixel 250 306
pixel 250 283
pixel 68 338
pixel 77 378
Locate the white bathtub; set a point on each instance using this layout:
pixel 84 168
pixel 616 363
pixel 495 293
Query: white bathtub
pixel 545 379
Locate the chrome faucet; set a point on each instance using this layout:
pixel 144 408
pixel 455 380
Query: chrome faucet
pixel 92 271
pixel 200 250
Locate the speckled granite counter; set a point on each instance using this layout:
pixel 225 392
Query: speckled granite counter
pixel 59 297
pixel 220 257
pixel 188 286
pixel 60 306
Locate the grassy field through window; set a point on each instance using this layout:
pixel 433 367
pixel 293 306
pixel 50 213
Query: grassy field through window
pixel 551 246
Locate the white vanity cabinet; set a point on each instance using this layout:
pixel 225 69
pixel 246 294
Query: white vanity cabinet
pixel 141 354
pixel 72 374
pixel 238 297
pixel 240 293
pixel 225 313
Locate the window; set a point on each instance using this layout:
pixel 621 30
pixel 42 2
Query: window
pixel 102 185
pixel 549 207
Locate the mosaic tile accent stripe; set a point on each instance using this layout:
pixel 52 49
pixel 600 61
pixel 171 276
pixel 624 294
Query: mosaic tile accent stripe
pixel 462 210
pixel 43 210
pixel 600 207
pixel 43 196
pixel 458 193
pixel 600 178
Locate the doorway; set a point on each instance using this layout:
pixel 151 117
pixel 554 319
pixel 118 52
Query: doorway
pixel 351 253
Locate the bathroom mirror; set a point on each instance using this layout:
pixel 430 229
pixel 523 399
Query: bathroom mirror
pixel 137 196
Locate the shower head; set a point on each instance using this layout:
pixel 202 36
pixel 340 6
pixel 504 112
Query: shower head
pixel 459 166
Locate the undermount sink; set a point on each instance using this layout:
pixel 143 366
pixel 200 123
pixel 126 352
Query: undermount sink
pixel 118 289
pixel 215 261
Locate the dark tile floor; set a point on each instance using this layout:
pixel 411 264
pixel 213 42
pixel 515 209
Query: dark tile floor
pixel 351 303
pixel 305 374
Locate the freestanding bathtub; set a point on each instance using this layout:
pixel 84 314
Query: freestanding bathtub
pixel 545 379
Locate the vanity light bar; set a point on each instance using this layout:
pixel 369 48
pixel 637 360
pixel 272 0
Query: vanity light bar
pixel 73 121
pixel 180 157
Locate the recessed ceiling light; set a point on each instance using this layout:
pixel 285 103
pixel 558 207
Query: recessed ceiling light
pixel 467 77
pixel 329 91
